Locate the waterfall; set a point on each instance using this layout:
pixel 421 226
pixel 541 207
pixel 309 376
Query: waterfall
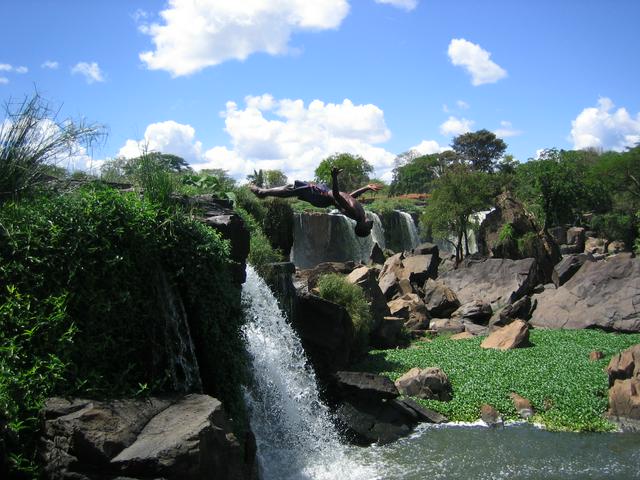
pixel 321 237
pixel 294 433
pixel 410 236
pixel 475 219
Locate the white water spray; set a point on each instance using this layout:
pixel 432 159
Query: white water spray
pixel 295 436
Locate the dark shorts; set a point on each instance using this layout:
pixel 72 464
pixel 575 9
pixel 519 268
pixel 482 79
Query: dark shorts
pixel 317 194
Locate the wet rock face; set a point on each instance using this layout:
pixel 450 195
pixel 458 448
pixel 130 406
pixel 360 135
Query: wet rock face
pixel 185 437
pixel 601 294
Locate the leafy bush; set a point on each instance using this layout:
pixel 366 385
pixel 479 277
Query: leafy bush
pixel 153 177
pixel 614 226
pixel 567 390
pixel 261 252
pixel 528 245
pixel 278 224
pixel 337 289
pixel 386 205
pixel 506 234
pixel 247 201
pixel 80 311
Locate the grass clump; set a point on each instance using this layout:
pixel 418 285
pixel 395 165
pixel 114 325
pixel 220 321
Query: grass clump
pixel 335 288
pixel 566 389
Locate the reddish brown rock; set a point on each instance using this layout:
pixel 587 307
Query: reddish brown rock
pixel 430 383
pixel 462 336
pixel 514 335
pixel 522 405
pixel 596 355
pixel 490 416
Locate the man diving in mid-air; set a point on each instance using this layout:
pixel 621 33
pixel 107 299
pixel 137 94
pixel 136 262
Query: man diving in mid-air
pixel 319 195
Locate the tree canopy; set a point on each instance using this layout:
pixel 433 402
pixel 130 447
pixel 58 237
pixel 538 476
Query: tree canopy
pixel 355 174
pixel 267 178
pixel 417 174
pixel 481 150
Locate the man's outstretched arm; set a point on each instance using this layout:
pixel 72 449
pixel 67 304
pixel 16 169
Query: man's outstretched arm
pixel 374 187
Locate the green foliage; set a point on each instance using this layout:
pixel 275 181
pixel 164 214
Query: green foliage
pixel 247 201
pixel 218 185
pixel 614 226
pixel 151 174
pixel 528 245
pixel 32 139
pixel 278 224
pixel 81 307
pixel 567 390
pixel 458 194
pixel 337 289
pixel 386 205
pixel 267 178
pixel 506 234
pixel 355 174
pixel 480 149
pixel 261 252
pixel 416 175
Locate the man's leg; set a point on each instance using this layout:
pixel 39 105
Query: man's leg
pixel 281 192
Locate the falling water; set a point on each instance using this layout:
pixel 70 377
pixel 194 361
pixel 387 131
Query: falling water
pixel 410 236
pixel 295 436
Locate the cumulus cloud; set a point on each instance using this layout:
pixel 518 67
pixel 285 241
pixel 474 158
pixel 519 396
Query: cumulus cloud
pixel 462 104
pixel 506 130
pixel 90 71
pixel 4 80
pixel 50 65
pixel 605 127
pixel 476 61
pixel 454 126
pixel 196 35
pixel 287 134
pixel 167 137
pixel 427 147
pixel 407 5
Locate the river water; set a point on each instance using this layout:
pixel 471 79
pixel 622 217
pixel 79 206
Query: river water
pixel 296 438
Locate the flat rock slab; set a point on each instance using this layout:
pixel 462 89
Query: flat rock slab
pixel 604 294
pixel 497 281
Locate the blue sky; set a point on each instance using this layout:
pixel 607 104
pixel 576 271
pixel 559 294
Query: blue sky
pixel 252 84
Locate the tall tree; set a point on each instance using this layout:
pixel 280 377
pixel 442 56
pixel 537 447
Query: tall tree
pixel 479 149
pixel 355 171
pixel 459 193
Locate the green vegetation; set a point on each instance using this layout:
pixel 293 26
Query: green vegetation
pixel 33 141
pixel 480 150
pixel 567 390
pixel 507 233
pixel 337 289
pixel 78 304
pixel 267 178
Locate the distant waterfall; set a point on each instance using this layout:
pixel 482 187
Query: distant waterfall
pixel 409 230
pixel 321 237
pixel 295 436
pixel 448 245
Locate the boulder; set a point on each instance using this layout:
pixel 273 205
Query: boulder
pixel 309 278
pixel 596 355
pixel 446 325
pixel 439 299
pixel 490 416
pixel 475 311
pixel 417 268
pixel 522 405
pixel 595 245
pixel 514 335
pixel 412 309
pixel 377 255
pixel 576 237
pixel 570 250
pixel 326 332
pixel 424 414
pixel 185 437
pixel 521 309
pixel 624 391
pixel 617 246
pixel 496 281
pixel 366 279
pixel 426 249
pixel 601 294
pixel 430 383
pixel 568 266
pixel 389 333
pixel 462 336
pixel 389 275
pixel 559 234
pixel 365 385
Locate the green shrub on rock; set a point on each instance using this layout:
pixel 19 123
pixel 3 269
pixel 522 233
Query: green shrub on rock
pixel 337 289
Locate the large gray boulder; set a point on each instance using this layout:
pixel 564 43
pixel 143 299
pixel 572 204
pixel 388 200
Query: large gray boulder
pixel 604 294
pixel 496 281
pixel 624 394
pixel 185 437
pixel 568 266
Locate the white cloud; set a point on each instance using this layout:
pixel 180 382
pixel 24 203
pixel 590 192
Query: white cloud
pixel 427 147
pixel 476 61
pixel 462 104
pixel 299 136
pixel 506 130
pixel 90 71
pixel 167 137
pixel 50 64
pixel 196 35
pixel 4 80
pixel 6 67
pixel 606 128
pixel 407 5
pixel 454 126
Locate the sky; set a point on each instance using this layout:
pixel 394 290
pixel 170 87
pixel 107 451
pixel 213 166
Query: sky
pixel 249 84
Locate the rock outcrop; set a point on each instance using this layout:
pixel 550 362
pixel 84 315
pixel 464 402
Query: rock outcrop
pixel 624 392
pixel 514 335
pixel 603 294
pixel 568 266
pixel 496 281
pixel 429 383
pixel 184 437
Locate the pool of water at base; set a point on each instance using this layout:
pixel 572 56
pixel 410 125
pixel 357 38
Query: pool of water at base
pixel 519 451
